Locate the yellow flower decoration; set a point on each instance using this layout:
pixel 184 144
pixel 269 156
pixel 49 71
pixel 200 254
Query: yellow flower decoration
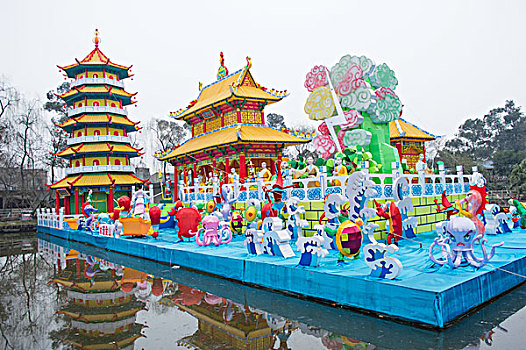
pixel 320 105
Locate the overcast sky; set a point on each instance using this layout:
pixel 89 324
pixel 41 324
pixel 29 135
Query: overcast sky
pixel 453 59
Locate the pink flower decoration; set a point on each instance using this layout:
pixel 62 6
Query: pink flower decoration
pixel 316 77
pixel 353 118
pixel 384 91
pixel 324 145
pixel 351 81
pixel 323 129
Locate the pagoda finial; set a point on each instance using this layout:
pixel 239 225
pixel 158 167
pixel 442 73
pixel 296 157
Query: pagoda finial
pixel 222 71
pixel 249 62
pixel 96 40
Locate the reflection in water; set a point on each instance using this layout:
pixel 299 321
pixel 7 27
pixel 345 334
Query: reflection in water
pixel 95 299
pixel 99 312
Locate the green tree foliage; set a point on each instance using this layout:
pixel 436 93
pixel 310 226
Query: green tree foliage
pixel 496 138
pixel 275 121
pixel 518 178
pixel 58 137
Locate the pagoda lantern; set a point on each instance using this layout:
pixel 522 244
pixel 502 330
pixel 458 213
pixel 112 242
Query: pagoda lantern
pixel 99 148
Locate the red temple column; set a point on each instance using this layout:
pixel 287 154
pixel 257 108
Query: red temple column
pixel 399 148
pixel 238 115
pixel 175 193
pixel 77 201
pixel 227 166
pixel 110 200
pixel 194 174
pixel 272 166
pixel 57 201
pixel 185 174
pixel 242 166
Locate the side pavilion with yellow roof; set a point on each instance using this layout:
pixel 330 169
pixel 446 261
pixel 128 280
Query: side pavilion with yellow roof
pixel 409 140
pixel 228 128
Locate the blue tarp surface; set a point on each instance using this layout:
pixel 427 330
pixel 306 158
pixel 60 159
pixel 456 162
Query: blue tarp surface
pixel 424 292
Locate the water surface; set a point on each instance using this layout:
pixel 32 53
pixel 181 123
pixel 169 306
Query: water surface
pixel 65 295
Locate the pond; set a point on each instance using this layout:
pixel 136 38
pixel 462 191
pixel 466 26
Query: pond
pixel 66 295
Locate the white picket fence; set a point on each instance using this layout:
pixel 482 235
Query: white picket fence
pixel 47 217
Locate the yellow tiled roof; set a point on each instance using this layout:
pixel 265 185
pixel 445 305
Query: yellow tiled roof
pixel 84 180
pixel 247 133
pixel 400 128
pixel 97 147
pixel 224 89
pixel 95 57
pixel 96 89
pixel 97 118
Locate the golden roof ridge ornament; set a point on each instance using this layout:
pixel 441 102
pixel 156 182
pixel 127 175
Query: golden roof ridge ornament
pixel 96 40
pixel 222 71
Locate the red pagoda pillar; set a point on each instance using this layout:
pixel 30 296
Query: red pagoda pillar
pixel 77 201
pixel 175 193
pixel 57 202
pixel 227 166
pixel 242 166
pixel 110 200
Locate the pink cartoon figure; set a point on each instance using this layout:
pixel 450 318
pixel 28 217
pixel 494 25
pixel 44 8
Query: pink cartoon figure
pixel 213 232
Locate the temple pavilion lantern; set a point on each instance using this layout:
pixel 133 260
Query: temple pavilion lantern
pixel 98 149
pixel 409 140
pixel 228 129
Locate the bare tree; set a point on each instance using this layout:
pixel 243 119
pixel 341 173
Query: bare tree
pixel 58 137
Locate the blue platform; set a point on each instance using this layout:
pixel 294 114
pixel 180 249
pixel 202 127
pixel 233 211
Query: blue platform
pixel 423 293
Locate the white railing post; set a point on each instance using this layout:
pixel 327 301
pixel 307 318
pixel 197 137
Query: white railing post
pixel 260 188
pixel 442 172
pixel 196 187
pixel 60 218
pixel 323 181
pixel 460 174
pixel 150 190
pixel 288 182
pixel 396 170
pixel 422 178
pixel 236 187
pixel 49 217
pixel 214 185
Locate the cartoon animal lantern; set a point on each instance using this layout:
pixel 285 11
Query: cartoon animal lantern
pixel 212 232
pixel 405 206
pixel 155 219
pixel 294 223
pixel 391 212
pixel 312 250
pixel 331 211
pixel 187 221
pixel 520 211
pixel 252 213
pixel 476 200
pixel 381 266
pixel 349 239
pixel 276 240
pixel 359 191
pixel 456 241
pixel 90 222
pixel 228 198
pixel 236 223
pixel 139 202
